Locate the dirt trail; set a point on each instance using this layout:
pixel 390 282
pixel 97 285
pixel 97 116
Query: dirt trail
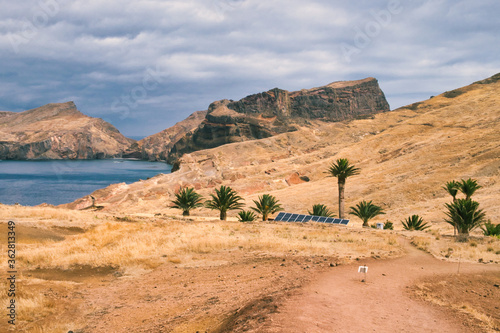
pixel 338 301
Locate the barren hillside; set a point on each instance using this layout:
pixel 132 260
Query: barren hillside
pixel 59 131
pixel 405 157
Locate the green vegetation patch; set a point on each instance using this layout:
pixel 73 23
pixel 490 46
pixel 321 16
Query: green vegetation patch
pixel 453 93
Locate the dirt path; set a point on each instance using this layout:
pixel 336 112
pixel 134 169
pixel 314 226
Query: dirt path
pixel 339 302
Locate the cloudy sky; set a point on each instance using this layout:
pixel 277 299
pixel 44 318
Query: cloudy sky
pixel 144 65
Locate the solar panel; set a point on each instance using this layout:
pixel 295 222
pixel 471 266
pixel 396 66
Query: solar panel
pixel 290 217
pixel 279 217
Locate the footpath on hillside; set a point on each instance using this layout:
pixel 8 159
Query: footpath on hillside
pixel 338 300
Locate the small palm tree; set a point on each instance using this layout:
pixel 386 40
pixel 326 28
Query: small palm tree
pixel 186 200
pixel 246 216
pixel 321 210
pixel 267 204
pixel 468 187
pixel 342 170
pixel 414 222
pixel 366 211
pixel 224 199
pixel 490 229
pixel 464 215
pixel 452 188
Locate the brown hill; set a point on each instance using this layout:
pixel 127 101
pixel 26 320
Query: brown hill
pixel 279 111
pixel 157 146
pixel 59 131
pixel 405 157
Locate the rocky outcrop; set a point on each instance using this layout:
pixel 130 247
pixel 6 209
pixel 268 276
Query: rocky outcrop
pixel 60 131
pixel 278 111
pixel 156 147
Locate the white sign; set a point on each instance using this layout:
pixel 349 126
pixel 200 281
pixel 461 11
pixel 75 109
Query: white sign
pixel 363 269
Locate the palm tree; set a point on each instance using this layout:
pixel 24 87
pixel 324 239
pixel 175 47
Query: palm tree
pixel 342 169
pixel 321 210
pixel 414 222
pixel 187 199
pixel 267 204
pixel 366 211
pixel 468 187
pixel 452 188
pixel 224 199
pixel 246 216
pixel 466 216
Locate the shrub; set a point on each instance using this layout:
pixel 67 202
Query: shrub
pixel 246 216
pixel 414 222
pixel 490 229
pixel 388 225
pixel 321 210
pixel 453 93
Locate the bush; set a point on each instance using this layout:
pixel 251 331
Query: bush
pixel 490 229
pixel 246 216
pixel 414 222
pixel 453 93
pixel 321 210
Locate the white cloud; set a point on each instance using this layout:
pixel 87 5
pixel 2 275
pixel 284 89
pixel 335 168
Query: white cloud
pixel 94 52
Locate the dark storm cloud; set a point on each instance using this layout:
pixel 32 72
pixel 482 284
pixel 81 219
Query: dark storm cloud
pixel 144 65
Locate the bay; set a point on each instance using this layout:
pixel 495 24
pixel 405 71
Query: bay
pixel 57 182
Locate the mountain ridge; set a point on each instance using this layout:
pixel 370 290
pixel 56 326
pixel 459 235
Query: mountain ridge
pixel 405 156
pixel 59 131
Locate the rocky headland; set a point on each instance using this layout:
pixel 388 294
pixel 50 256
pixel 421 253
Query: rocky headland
pixel 279 111
pixel 60 131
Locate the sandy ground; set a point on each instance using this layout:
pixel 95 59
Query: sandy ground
pixel 338 300
pixel 289 294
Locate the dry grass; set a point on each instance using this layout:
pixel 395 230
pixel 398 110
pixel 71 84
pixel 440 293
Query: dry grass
pixel 49 216
pixel 33 304
pixel 148 244
pixel 477 249
pixel 455 296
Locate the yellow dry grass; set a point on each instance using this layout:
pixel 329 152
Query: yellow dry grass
pixel 150 243
pixel 477 249
pixel 47 216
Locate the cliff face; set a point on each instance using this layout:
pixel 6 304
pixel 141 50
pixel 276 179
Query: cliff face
pixel 59 131
pixel 278 111
pixel 157 146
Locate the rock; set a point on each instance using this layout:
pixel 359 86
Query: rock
pixel 278 111
pixel 156 147
pixel 60 131
pixel 294 179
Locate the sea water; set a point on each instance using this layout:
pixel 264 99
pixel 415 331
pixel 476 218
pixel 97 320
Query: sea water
pixel 56 182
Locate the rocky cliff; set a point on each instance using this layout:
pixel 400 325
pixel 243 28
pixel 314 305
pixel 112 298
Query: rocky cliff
pixel 60 131
pixel 278 111
pixel 157 146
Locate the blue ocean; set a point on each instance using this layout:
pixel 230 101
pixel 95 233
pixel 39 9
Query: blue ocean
pixel 31 183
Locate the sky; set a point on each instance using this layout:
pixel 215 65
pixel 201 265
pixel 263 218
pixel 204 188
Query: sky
pixel 145 65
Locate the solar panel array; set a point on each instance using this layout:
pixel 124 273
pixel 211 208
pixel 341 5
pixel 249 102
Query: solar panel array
pixel 289 217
